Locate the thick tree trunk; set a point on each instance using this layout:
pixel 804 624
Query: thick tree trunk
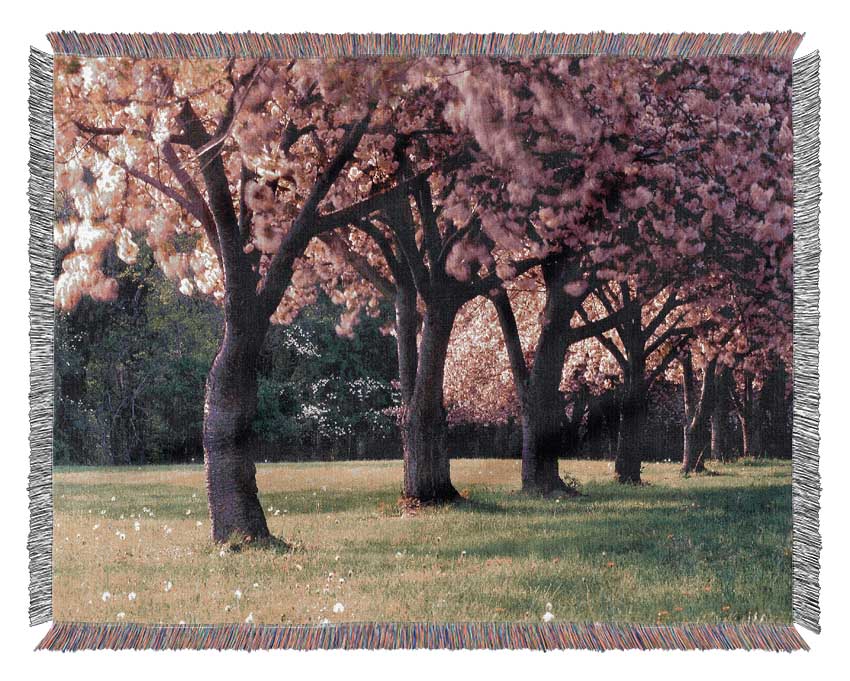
pixel 543 412
pixel 633 416
pixel 229 410
pixel 542 425
pixel 717 439
pixel 426 461
pixel 633 410
pixel 541 403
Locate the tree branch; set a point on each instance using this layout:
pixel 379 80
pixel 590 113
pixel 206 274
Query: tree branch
pixel 670 303
pixel 304 226
pixel 606 342
pixel 360 264
pixel 667 335
pixel 513 345
pixel 236 269
pixel 171 193
pixel 201 209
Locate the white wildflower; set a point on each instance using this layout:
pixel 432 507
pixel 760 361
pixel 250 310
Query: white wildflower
pixel 131 596
pixel 250 618
pixel 106 596
pixel 339 607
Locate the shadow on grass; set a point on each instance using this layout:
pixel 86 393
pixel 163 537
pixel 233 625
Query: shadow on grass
pixel 703 524
pixel 272 544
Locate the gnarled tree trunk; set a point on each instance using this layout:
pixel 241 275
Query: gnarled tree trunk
pixel 229 410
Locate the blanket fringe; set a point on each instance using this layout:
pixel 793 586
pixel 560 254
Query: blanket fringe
pixel 309 45
pixel 40 542
pixel 71 636
pixel 806 477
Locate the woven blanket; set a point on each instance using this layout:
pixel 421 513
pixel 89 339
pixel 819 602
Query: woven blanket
pixel 424 341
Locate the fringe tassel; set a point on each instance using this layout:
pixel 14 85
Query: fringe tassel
pixel 40 542
pixel 806 478
pixel 70 636
pixel 311 45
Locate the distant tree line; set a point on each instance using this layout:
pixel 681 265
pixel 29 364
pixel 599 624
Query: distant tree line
pixel 130 382
pixel 130 378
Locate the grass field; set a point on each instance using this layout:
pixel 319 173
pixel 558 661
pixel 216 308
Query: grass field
pixel 703 549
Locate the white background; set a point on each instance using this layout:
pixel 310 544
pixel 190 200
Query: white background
pixel 26 23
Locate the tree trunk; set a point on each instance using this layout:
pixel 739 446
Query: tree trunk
pixel 745 407
pixel 698 410
pixel 719 418
pixel 542 424
pixel 717 444
pixel 426 462
pixel 633 417
pixel 633 410
pixel 694 450
pixel 229 410
pixel 543 412
pixel 541 403
pixel 407 327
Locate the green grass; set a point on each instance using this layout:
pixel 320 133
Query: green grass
pixel 701 549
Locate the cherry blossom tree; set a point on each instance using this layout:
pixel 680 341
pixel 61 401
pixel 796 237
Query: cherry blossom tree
pixel 232 171
pixel 431 182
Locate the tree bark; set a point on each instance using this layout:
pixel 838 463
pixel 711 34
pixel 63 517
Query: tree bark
pixel 229 410
pixel 633 407
pixel 543 412
pixel 407 327
pixel 719 418
pixel 633 417
pixel 698 408
pixel 427 475
pixel 745 406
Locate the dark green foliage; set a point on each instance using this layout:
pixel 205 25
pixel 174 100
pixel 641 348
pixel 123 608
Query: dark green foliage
pixel 130 374
pixel 130 379
pixel 325 396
